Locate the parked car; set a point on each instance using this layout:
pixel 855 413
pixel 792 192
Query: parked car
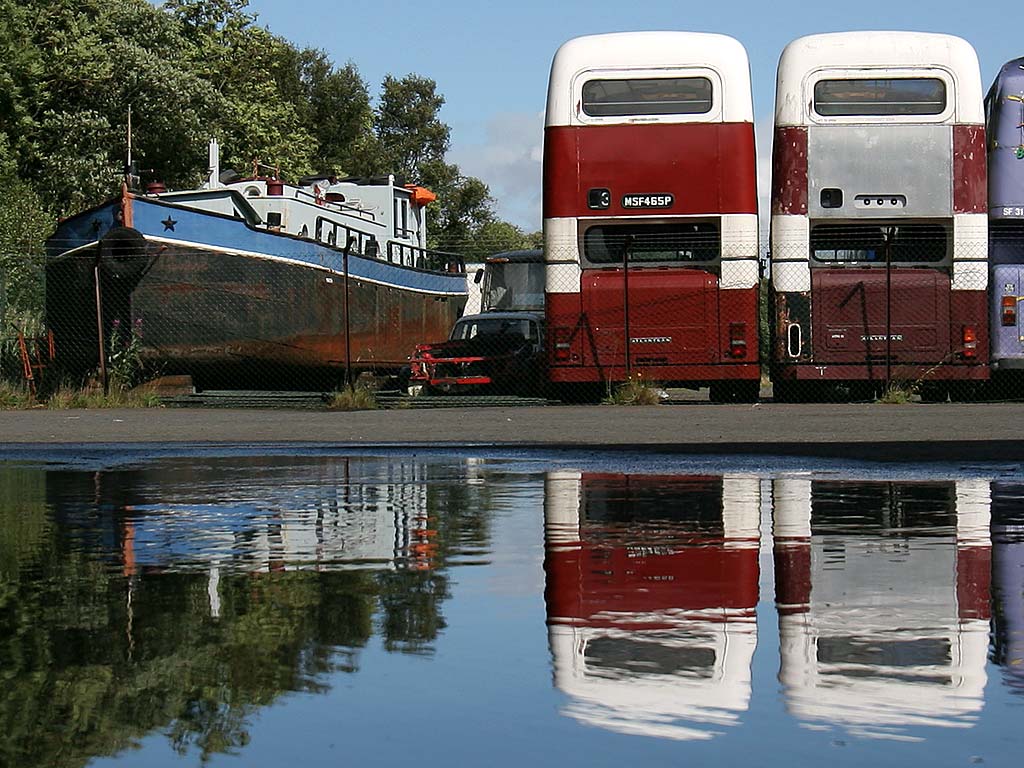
pixel 493 352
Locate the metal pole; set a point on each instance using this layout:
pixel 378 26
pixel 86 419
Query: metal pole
pixel 348 338
pixel 625 302
pixel 99 328
pixel 888 306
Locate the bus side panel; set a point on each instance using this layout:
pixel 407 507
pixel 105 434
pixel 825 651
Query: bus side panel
pixel 791 308
pixel 740 321
pixel 567 334
pixel 970 187
pixel 708 168
pixel 789 171
pixel 969 309
pixel 1008 340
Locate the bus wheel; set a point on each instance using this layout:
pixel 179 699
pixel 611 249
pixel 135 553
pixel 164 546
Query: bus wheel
pixel 786 391
pixel 963 392
pixel 933 393
pixel 581 393
pixel 734 391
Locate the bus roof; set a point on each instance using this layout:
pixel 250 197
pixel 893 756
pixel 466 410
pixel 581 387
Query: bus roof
pixel 1010 80
pixel 646 51
pixel 877 50
pixel 526 256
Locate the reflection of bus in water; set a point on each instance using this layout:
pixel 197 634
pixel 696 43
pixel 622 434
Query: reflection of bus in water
pixel 1004 111
pixel 879 226
pixel 1008 583
pixel 652 584
pixel 883 598
pixel 650 214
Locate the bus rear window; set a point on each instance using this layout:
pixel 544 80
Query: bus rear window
pixel 866 243
pixel 863 97
pixel 609 243
pixel 648 96
pixel 1006 241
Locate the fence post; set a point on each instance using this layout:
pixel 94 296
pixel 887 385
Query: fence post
pixel 625 302
pixel 889 233
pixel 99 326
pixel 348 339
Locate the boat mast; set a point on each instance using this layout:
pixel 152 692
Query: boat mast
pixel 130 174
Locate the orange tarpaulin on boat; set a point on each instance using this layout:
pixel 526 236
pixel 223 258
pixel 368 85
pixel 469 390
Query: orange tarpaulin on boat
pixel 421 195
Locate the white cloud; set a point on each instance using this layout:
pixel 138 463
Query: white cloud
pixel 509 162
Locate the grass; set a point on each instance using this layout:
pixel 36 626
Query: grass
pixel 634 391
pixel 66 397
pixel 15 397
pixel 897 394
pixel 353 399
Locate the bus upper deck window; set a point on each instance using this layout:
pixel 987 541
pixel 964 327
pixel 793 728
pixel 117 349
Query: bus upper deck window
pixel 868 97
pixel 647 96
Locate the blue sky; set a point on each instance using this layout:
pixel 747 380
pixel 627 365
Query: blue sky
pixel 491 60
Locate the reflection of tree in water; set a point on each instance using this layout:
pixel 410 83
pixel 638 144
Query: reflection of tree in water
pixel 458 520
pixel 92 659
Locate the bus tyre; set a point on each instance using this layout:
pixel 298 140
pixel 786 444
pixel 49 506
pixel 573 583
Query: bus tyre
pixel 785 392
pixel 933 393
pixel 734 391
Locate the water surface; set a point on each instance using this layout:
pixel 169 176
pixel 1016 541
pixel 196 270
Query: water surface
pixel 239 609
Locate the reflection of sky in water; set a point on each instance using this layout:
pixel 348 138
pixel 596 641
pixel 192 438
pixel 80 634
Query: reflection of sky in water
pixel 520 608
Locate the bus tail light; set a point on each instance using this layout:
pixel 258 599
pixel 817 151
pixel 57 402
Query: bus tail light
pixel 737 340
pixel 970 339
pixel 563 344
pixel 1009 313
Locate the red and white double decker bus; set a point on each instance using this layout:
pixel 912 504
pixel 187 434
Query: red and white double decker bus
pixel 879 239
pixel 650 214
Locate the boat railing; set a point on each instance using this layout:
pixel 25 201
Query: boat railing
pixel 336 234
pixel 424 258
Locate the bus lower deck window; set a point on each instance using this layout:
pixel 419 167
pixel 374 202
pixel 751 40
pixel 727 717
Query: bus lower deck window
pixel 867 243
pixel 691 242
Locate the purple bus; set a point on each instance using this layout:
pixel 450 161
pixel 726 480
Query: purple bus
pixel 1004 113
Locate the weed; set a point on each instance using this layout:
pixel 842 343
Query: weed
pixel 66 397
pixel 897 393
pixel 353 399
pixel 15 396
pixel 634 391
pixel 124 356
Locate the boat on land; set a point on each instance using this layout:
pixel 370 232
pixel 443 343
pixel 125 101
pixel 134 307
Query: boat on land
pixel 252 282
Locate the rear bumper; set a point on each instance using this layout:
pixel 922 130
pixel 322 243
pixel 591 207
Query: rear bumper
pixel 878 372
pixel 661 374
pixel 1008 364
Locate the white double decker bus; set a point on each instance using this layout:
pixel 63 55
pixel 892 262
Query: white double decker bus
pixel 878 229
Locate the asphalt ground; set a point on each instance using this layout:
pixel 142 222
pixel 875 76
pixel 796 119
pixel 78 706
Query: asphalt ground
pixel 870 432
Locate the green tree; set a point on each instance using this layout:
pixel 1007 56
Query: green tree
pixel 337 109
pixel 248 67
pixel 410 131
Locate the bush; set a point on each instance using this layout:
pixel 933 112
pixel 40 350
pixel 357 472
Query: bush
pixel 635 391
pixel 353 399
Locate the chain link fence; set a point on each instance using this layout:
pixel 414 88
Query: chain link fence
pixel 856 313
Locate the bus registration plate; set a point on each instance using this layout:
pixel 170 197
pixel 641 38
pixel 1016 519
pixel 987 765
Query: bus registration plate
pixel 663 200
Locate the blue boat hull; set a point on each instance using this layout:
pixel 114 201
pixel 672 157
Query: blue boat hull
pixel 232 306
